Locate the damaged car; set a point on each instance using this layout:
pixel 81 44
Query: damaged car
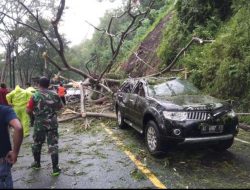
pixel 173 112
pixel 73 95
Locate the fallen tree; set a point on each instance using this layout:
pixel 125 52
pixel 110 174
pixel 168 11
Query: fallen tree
pixel 83 86
pixel 89 114
pixel 92 81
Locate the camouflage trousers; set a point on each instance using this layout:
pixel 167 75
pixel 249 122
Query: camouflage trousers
pixel 39 138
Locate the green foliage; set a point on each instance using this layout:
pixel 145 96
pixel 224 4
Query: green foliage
pixel 221 68
pixel 100 44
pixel 198 12
pixel 208 30
pixel 171 41
pixel 191 18
pixel 114 76
pixel 244 119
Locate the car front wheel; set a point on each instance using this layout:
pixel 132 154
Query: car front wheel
pixel 120 119
pixel 152 138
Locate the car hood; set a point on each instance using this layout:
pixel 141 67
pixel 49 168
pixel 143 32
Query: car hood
pixel 190 102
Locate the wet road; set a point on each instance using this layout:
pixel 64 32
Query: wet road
pixel 106 157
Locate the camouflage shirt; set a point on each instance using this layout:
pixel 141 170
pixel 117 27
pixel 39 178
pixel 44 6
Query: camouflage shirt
pixel 46 105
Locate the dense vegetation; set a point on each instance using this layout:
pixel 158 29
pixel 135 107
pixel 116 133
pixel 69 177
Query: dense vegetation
pixel 220 68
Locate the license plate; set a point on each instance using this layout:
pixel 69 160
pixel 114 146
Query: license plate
pixel 205 129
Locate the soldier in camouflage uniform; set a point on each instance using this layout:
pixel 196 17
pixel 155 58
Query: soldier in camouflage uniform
pixel 44 104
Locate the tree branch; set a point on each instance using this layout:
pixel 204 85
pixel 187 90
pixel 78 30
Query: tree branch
pixel 124 34
pixel 168 68
pixel 90 114
pixel 19 22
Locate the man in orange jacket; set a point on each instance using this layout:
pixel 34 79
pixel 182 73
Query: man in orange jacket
pixel 61 91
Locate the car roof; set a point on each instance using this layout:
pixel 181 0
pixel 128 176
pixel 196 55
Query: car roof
pixel 158 80
pixel 149 80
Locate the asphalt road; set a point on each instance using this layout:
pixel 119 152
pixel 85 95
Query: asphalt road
pixel 106 157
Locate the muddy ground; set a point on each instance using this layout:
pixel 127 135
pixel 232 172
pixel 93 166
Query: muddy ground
pixel 91 159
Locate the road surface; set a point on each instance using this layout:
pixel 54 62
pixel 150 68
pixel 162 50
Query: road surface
pixel 104 156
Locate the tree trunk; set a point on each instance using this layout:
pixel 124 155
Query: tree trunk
pixel 82 102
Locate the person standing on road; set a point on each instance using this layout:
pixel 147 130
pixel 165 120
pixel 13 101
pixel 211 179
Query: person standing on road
pixel 45 104
pixel 3 92
pixel 61 91
pixel 19 98
pixel 8 156
pixel 31 90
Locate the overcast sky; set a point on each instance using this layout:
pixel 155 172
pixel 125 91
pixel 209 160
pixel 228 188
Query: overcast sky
pixel 74 26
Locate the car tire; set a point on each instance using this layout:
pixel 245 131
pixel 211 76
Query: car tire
pixel 120 119
pixel 152 138
pixel 223 145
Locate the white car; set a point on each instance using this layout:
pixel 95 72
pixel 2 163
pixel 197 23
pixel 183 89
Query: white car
pixel 73 95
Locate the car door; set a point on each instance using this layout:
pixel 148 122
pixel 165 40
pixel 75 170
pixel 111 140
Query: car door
pixel 136 105
pixel 123 95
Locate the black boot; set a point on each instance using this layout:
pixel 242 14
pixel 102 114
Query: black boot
pixel 36 164
pixel 56 169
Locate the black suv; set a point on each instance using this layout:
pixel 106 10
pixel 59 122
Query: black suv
pixel 173 111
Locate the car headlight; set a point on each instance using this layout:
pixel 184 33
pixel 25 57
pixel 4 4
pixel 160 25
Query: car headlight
pixel 231 113
pixel 177 116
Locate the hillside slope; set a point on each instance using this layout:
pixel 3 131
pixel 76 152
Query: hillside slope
pixel 145 60
pixel 221 68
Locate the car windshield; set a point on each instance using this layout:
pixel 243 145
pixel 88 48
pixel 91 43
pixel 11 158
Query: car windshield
pixel 173 88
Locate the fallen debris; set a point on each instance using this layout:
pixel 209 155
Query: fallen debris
pixel 244 126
